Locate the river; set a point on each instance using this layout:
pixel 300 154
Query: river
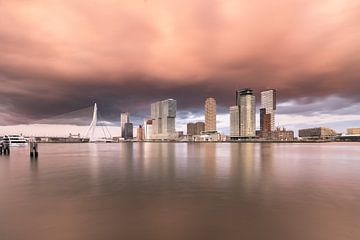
pixel 182 191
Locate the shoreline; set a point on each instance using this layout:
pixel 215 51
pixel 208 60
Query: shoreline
pixel 198 142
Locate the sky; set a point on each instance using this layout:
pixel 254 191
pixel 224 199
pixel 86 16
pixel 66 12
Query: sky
pixel 57 56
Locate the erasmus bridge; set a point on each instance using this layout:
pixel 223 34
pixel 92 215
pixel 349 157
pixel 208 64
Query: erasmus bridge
pixel 90 133
pixel 81 118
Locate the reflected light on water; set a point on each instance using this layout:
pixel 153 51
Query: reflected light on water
pixel 181 191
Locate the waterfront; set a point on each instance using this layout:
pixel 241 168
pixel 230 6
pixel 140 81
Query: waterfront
pixel 182 191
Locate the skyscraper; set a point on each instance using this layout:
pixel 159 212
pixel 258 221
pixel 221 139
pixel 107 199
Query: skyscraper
pixel 124 118
pixel 268 102
pixel 128 131
pixel 210 115
pixel 234 121
pixel 242 116
pixel 265 121
pixel 163 114
pixel 148 129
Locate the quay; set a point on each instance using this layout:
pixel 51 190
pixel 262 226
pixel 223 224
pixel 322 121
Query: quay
pixel 61 140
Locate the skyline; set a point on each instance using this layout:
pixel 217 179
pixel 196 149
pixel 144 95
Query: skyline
pixel 46 126
pixel 58 56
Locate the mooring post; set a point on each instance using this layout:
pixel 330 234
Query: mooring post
pixel 6 148
pixel 34 149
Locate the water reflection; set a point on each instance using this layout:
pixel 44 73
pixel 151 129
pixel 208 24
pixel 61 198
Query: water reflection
pixel 182 191
pixel 242 166
pixel 34 164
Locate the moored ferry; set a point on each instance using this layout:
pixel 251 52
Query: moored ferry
pixel 15 140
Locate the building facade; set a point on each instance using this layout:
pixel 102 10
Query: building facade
pixel 268 103
pixel 163 114
pixel 242 116
pixel 124 118
pixel 147 129
pixel 210 115
pixel 199 127
pixel 265 122
pixel 140 133
pixel 353 131
pixel 234 121
pixel 128 131
pixel 195 128
pixel 282 135
pixel 319 133
pixel 190 129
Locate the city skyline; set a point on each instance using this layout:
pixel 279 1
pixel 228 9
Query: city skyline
pixel 126 55
pixel 179 121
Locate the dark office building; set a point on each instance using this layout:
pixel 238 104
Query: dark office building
pixel 127 131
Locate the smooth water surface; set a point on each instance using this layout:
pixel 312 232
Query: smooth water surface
pixel 182 191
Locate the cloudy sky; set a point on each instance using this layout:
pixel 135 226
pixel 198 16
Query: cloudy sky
pixel 57 56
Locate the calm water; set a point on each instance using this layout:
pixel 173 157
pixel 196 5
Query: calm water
pixel 182 191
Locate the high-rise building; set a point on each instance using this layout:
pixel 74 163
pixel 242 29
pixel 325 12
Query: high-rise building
pixel 124 118
pixel 265 121
pixel 268 102
pixel 147 129
pixel 140 133
pixel 128 131
pixel 163 114
pixel 234 121
pixel 210 115
pixel 242 116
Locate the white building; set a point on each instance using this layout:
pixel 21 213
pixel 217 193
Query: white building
pixel 234 121
pixel 242 116
pixel 148 129
pixel 163 114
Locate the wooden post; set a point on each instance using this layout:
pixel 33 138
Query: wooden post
pixel 6 148
pixel 34 149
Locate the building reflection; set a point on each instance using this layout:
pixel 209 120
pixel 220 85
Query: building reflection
pixel 127 159
pixel 209 170
pixel 266 176
pixel 243 166
pixel 153 160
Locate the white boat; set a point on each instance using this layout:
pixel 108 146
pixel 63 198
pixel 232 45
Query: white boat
pixel 15 140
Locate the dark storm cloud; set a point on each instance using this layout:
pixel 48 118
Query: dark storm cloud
pixel 59 56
